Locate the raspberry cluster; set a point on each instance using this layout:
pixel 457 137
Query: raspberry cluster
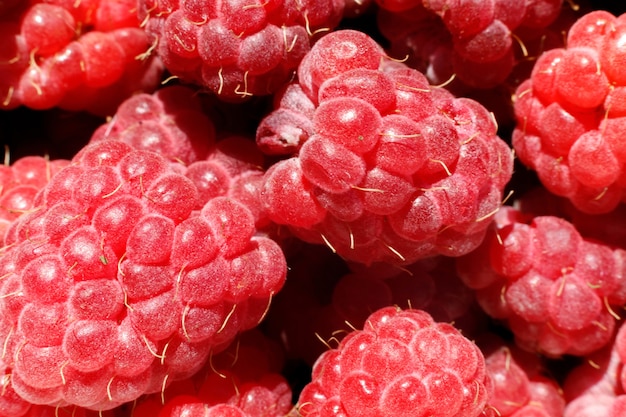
pixel 387 168
pixel 571 112
pixel 259 208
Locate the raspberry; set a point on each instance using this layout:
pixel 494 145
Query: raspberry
pixel 237 48
pixel 66 56
pixel 554 288
pixel 401 364
pixel 594 386
pixel 118 281
pixel 445 39
pixel 571 126
pixel 345 187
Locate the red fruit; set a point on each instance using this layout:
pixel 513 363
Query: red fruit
pixel 237 48
pixel 120 285
pixel 406 173
pixel 401 364
pixel 539 273
pixel 20 183
pixel 63 55
pixel 169 122
pixel 519 388
pixel 573 120
pixel 244 379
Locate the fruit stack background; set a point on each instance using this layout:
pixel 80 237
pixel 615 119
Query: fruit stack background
pixel 292 208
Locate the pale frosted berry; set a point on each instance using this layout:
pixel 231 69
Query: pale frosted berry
pixel 119 280
pixel 389 168
pixel 554 288
pixel 236 48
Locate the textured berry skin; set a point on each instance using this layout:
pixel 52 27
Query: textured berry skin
pixel 245 377
pixel 474 42
pixel 520 385
pixel 119 283
pixel 236 48
pixel 400 364
pixel 169 122
pixel 554 288
pixel 89 56
pixel 570 116
pixel 390 169
pixel 20 182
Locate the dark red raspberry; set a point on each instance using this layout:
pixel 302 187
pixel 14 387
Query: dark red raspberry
pixel 236 48
pixel 85 56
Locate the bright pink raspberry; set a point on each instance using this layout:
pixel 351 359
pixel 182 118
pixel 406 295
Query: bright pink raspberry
pixel 557 291
pixel 389 168
pixel 236 48
pixel 119 283
pixel 403 364
pixel 570 116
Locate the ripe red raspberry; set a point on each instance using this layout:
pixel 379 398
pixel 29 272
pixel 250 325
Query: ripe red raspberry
pixel 236 48
pixel 570 115
pixel 85 56
pixel 401 364
pixel 387 168
pixel 554 288
pixel 609 228
pixel 594 387
pixel 118 284
pixel 475 42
